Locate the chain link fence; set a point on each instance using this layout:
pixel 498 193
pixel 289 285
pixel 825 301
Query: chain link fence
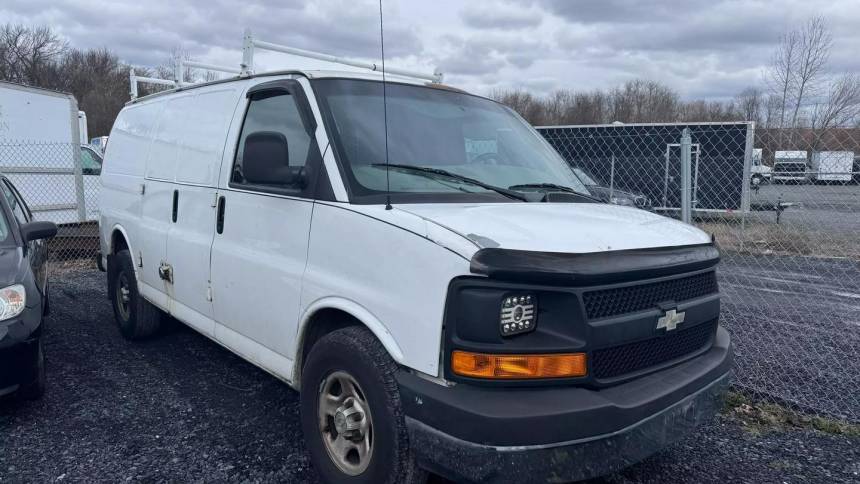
pixel 784 206
pixel 59 183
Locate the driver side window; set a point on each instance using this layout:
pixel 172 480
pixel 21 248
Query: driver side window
pixel 274 147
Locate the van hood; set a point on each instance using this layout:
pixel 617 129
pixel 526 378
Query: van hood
pixel 558 227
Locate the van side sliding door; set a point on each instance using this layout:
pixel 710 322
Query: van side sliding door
pixel 263 225
pixel 192 200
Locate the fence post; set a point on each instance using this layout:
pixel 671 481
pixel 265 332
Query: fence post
pixel 79 184
pixel 686 155
pixel 612 178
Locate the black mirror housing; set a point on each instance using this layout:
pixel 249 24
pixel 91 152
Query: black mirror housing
pixel 38 230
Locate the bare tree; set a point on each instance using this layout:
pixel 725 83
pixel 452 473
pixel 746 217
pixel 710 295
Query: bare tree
pixel 840 109
pixel 644 101
pixel 29 55
pixel 782 73
pixel 815 42
pixel 749 104
pixel 521 101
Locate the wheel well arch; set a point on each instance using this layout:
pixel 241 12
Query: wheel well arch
pixel 118 241
pixel 331 315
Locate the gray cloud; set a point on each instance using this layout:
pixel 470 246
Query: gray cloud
pixel 702 48
pixel 146 32
pixel 500 16
pixel 621 11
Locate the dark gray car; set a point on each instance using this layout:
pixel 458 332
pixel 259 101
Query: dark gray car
pixel 612 195
pixel 23 295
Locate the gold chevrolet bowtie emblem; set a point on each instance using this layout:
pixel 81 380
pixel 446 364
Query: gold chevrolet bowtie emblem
pixel 670 320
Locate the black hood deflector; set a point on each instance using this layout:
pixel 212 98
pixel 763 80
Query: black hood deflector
pixel 594 267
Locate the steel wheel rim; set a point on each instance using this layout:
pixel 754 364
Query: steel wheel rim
pixel 123 296
pixel 345 423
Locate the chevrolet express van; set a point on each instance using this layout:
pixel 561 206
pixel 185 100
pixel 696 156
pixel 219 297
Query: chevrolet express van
pixel 422 267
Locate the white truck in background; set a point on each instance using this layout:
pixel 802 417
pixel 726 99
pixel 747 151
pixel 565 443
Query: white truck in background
pixel 790 167
pixel 99 143
pixel 832 166
pixel 42 153
pixel 83 132
pixel 759 172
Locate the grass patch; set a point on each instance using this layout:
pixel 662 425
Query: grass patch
pixel 759 417
pixel 763 237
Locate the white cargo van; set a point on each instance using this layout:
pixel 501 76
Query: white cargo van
pixel 475 313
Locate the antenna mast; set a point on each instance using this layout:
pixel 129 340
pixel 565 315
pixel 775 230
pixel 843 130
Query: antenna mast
pixel 384 111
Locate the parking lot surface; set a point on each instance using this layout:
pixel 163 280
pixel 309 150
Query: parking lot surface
pixel 790 317
pixel 180 408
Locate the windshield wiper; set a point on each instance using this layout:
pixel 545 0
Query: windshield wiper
pixel 440 172
pixel 553 187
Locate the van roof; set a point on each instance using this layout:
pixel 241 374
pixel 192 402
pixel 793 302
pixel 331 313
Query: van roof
pixel 310 74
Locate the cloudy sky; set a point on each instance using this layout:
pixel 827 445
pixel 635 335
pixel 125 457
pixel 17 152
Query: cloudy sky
pixel 702 48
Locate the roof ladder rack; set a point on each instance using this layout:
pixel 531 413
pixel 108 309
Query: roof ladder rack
pixel 135 79
pixel 250 44
pixel 181 64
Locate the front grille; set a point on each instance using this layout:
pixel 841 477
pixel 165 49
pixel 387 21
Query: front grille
pixel 640 355
pixel 790 168
pixel 621 300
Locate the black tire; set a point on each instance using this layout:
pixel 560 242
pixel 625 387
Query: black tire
pixel 356 352
pixel 34 389
pixel 136 317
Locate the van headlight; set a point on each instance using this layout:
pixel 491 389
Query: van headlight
pixel 518 314
pixel 13 299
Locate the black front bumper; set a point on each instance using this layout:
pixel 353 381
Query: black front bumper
pixel 559 434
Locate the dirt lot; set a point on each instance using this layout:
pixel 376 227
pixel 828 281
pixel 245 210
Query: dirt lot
pixel 181 408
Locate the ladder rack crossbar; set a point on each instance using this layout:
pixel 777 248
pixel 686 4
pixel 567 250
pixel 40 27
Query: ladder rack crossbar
pixel 251 44
pixel 155 80
pixel 211 67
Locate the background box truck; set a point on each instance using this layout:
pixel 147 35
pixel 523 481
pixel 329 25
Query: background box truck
pixel 41 153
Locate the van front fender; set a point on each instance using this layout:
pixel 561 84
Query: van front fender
pixel 353 309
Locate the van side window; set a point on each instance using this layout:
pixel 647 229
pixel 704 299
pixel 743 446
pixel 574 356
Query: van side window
pixel 275 151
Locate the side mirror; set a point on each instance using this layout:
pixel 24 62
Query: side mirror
pixel 266 161
pixel 38 230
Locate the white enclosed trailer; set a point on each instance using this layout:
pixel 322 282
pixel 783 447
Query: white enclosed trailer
pixel 40 152
pixel 832 166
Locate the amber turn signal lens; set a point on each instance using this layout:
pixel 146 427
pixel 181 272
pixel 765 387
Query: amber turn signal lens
pixel 513 367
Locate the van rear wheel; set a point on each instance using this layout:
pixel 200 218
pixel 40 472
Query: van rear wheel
pixel 351 414
pixel 136 317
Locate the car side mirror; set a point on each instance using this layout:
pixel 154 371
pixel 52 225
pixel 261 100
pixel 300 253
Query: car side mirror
pixel 266 161
pixel 38 230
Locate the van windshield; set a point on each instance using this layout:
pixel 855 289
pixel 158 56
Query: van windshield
pixel 438 131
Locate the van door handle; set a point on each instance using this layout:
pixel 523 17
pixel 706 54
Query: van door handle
pixel 175 204
pixel 219 221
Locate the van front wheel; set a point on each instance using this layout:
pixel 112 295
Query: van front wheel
pixel 351 414
pixel 137 318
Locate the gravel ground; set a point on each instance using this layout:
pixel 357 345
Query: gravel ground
pixel 796 326
pixel 181 408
